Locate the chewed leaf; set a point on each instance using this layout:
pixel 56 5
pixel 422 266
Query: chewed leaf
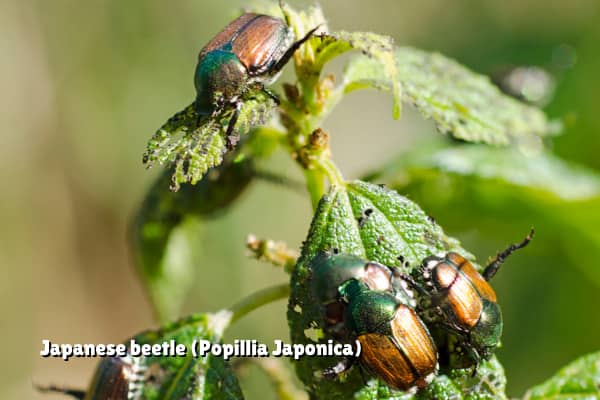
pixel 194 144
pixel 167 228
pixel 394 226
pixel 578 380
pixel 462 104
pixel 170 376
pixel 378 49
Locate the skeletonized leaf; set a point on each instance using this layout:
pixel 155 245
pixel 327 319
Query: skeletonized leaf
pixel 166 231
pixel 194 144
pixel 394 226
pixel 461 103
pixel 578 380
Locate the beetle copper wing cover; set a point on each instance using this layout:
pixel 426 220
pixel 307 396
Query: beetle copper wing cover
pixel 259 41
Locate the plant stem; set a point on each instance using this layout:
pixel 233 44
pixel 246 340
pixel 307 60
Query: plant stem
pixel 257 300
pixel 331 170
pixel 315 183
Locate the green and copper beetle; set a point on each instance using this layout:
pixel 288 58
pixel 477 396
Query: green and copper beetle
pixel 395 344
pixel 116 378
pixel 330 270
pixel 245 56
pixel 458 299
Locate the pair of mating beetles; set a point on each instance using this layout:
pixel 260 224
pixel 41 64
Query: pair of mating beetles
pixel 377 305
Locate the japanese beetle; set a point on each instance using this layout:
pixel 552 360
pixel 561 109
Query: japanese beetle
pixel 457 298
pixel 330 270
pixel 115 378
pixel 395 344
pixel 246 55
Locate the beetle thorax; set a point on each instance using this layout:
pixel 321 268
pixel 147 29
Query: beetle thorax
pixel 220 79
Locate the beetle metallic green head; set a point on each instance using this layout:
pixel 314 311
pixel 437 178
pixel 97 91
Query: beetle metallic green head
pixel 219 77
pixel 330 270
pixel 395 344
pixel 245 56
pixel 486 335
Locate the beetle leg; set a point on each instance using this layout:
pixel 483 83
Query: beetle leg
pixel 475 366
pixel 495 265
pixel 75 393
pixel 271 95
pixel 363 377
pixel 233 139
pixel 451 326
pixel 409 279
pixel 475 356
pixel 290 52
pixel 339 368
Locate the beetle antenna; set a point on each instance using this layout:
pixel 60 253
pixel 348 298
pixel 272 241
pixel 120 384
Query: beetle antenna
pixel 288 54
pixel 413 284
pixel 495 265
pixel 75 393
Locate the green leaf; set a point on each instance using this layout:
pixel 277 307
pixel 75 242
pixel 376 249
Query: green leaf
pixel 492 186
pixel 461 103
pixel 194 144
pixel 578 380
pixel 377 49
pixel 396 226
pixel 511 166
pixel 179 377
pixel 166 231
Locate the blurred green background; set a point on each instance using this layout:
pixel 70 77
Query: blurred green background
pixel 84 85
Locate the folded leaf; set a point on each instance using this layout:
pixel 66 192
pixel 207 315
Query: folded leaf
pixel 166 231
